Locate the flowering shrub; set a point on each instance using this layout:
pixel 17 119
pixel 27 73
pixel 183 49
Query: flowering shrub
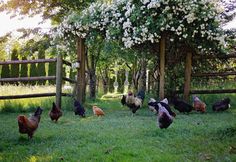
pixel 136 22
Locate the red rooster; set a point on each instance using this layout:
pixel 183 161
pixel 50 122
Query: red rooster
pixel 29 125
pixel 55 112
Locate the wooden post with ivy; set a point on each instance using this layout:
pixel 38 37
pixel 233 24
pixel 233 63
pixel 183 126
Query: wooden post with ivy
pixel 59 80
pixel 162 68
pixel 187 76
pixel 80 95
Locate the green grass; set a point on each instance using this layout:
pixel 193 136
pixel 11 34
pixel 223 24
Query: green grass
pixel 119 136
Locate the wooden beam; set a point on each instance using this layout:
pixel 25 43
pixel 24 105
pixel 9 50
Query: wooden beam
pixel 69 80
pixel 187 76
pixel 67 63
pixel 214 74
pixel 32 96
pixel 27 96
pixel 162 69
pixel 58 80
pixel 27 61
pixel 80 94
pixel 213 91
pixel 22 79
pixel 228 56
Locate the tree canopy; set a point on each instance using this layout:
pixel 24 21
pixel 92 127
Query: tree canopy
pixel 136 22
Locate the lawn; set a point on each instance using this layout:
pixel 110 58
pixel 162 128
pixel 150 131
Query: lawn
pixel 119 136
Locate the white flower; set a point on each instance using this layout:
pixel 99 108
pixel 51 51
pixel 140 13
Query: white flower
pixel 127 24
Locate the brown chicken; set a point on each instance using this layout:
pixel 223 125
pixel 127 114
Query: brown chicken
pixel 55 113
pixel 97 111
pixel 29 125
pixel 199 105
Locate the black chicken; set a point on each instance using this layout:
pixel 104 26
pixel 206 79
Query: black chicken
pixel 181 105
pixel 79 109
pixel 221 105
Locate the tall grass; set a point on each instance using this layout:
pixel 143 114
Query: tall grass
pixel 29 104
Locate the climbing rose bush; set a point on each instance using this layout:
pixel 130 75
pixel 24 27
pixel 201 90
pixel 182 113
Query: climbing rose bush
pixel 134 22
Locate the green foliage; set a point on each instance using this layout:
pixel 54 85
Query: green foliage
pixel 52 72
pixel 33 72
pixel 47 8
pixel 5 72
pixel 15 67
pixel 41 66
pixel 24 69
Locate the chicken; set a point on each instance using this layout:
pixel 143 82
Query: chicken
pixel 79 109
pixel 55 112
pixel 134 102
pixel 198 104
pixel 29 125
pixel 123 100
pixel 164 118
pixel 181 105
pixel 152 108
pixel 97 111
pixel 221 105
pixel 153 104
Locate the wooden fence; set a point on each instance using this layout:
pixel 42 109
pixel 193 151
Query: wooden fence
pixel 188 90
pixel 58 77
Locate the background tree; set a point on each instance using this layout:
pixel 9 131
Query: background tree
pixel 42 46
pixel 33 72
pixel 52 65
pixel 6 73
pixel 14 67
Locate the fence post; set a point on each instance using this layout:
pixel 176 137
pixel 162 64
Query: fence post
pixel 162 68
pixel 187 76
pixel 58 80
pixel 81 70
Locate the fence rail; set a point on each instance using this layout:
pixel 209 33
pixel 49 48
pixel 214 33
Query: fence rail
pixel 22 79
pixel 27 61
pixel 213 91
pixel 215 74
pixel 58 77
pixel 32 95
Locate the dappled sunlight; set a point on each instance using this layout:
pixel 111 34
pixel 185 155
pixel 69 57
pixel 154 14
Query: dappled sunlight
pixel 40 158
pixel 111 96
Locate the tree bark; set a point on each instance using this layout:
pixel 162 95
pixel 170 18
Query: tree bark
pixel 187 77
pixel 143 76
pixel 162 69
pixel 81 70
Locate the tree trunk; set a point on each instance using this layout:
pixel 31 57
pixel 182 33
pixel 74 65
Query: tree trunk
pixel 143 76
pixel 187 77
pixel 105 80
pixel 81 71
pixel 92 77
pixel 92 83
pixel 162 69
